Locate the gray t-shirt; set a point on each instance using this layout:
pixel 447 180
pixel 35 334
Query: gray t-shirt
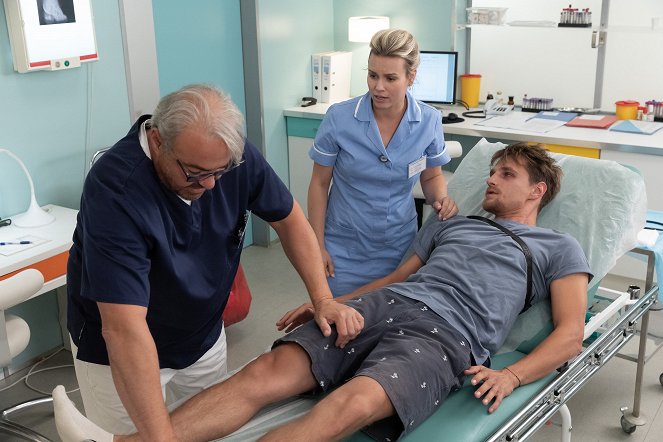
pixel 475 276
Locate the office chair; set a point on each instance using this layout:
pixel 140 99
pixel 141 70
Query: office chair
pixel 14 338
pixel 96 155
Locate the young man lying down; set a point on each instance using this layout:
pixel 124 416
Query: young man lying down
pixel 433 321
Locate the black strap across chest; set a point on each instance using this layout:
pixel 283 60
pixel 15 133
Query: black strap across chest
pixel 523 247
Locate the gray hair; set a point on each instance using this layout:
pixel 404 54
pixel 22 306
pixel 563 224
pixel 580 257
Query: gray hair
pixel 396 43
pixel 205 107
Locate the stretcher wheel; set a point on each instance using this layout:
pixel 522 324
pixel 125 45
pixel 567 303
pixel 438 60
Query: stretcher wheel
pixel 627 427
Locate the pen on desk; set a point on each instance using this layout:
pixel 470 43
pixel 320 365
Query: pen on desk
pixel 14 243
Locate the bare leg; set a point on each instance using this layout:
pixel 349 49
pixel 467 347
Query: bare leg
pixel 346 410
pixel 217 411
pixel 225 407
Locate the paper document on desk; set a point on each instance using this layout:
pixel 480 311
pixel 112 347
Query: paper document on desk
pixel 508 121
pixel 524 122
pixel 10 249
pixel 541 125
pixel 637 127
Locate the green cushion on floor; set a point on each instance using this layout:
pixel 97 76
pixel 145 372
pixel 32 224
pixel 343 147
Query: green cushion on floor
pixel 462 417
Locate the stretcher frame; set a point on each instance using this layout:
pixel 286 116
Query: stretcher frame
pixel 632 306
pixel 535 403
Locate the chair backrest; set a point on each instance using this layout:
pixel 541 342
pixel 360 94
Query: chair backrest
pixel 96 156
pixel 454 148
pixel 601 203
pixel 13 291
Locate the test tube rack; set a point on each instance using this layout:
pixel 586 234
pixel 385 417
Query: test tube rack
pixel 658 109
pixel 534 104
pixel 575 18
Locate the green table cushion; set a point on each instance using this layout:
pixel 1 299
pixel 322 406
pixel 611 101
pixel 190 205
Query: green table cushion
pixel 462 417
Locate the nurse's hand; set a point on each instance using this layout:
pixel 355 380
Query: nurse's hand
pixel 348 321
pixel 295 317
pixel 446 208
pixel 328 263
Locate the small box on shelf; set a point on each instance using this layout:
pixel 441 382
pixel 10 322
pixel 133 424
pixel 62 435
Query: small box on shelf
pixel 486 16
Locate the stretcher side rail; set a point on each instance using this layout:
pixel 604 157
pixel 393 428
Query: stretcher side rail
pixel 545 404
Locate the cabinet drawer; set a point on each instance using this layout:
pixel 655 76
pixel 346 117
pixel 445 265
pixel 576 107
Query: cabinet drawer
pixel 572 150
pixel 302 127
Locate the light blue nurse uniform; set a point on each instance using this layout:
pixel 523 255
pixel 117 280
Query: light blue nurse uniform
pixel 371 218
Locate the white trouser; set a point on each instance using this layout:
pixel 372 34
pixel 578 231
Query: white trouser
pixel 104 407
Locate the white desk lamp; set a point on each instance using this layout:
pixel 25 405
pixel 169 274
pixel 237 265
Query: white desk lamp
pixel 35 216
pixel 361 29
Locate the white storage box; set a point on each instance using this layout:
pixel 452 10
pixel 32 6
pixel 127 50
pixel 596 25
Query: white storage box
pixel 486 16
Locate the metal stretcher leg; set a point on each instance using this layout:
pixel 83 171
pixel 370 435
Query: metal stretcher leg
pixel 630 420
pixel 565 415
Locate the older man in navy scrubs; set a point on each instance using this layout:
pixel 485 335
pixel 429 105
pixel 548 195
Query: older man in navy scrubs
pixel 156 248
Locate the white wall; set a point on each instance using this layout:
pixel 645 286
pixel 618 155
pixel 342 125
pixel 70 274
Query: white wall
pixel 140 56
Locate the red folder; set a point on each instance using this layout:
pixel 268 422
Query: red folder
pixel 595 121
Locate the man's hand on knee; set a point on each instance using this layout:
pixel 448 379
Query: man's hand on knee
pixel 348 321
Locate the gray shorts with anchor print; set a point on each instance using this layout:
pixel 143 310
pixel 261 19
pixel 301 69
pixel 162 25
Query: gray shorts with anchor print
pixel 414 354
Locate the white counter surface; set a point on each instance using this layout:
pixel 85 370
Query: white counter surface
pixel 567 136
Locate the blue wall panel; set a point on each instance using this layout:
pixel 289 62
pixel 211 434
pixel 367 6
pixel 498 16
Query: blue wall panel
pixel 428 20
pixel 290 31
pixel 54 121
pixel 200 42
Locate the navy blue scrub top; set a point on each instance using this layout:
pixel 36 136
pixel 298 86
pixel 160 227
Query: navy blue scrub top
pixel 138 243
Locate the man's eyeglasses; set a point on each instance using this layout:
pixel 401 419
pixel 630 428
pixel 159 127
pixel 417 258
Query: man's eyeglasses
pixel 196 178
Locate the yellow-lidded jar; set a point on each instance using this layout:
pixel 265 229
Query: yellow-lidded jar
pixel 627 109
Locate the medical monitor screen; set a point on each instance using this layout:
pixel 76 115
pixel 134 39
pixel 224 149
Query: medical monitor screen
pixel 436 77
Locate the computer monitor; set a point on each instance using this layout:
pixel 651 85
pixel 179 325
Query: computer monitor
pixel 436 77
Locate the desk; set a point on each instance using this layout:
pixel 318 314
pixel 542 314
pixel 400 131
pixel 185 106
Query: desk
pixel 602 139
pixel 645 152
pixel 567 136
pixel 50 258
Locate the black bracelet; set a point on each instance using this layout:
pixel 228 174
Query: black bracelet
pixel 509 370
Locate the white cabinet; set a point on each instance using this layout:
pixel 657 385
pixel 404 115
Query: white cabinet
pixel 302 125
pixel 300 167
